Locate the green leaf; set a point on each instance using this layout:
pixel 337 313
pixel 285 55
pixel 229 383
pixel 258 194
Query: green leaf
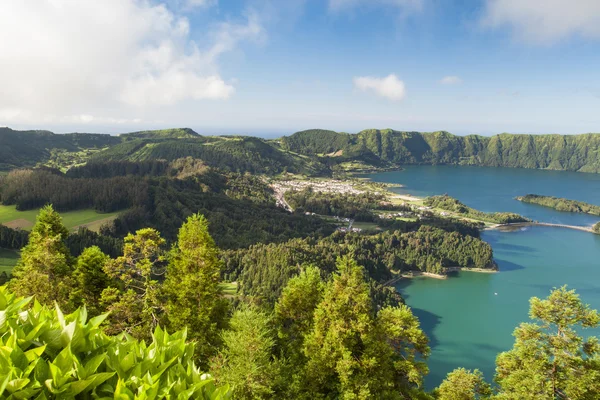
pixel 92 365
pixel 17 384
pixel 35 353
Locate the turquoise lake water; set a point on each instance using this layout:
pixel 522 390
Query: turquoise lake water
pixel 470 316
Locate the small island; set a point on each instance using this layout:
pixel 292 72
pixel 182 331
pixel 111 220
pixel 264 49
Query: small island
pixel 561 204
pixel 596 228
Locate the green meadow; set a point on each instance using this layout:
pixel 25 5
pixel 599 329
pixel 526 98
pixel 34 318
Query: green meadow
pixel 8 259
pixel 91 219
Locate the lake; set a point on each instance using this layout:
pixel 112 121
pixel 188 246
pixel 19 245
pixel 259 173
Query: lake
pixel 470 316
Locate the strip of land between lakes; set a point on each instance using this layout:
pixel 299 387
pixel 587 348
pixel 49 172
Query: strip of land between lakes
pixel 514 224
pixel 525 224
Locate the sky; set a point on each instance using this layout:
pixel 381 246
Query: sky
pixel 274 67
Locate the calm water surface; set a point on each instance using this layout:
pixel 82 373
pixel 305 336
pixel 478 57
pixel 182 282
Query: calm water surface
pixel 470 317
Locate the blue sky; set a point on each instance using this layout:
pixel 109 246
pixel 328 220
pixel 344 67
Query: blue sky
pixel 271 67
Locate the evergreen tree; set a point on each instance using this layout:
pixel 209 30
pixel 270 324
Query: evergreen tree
pixel 549 359
pixel 133 298
pixel 296 306
pixel 462 384
pixel 294 316
pixel 45 267
pixel 193 294
pixel 246 362
pixel 355 353
pixel 90 280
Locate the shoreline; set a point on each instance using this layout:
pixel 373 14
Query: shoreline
pixel 546 224
pixel 417 274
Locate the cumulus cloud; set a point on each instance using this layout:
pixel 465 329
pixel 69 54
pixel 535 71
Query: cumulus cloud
pixel 404 5
pixel 450 80
pixel 545 21
pixel 389 87
pixel 60 58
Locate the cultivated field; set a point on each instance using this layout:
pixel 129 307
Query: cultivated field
pixel 91 219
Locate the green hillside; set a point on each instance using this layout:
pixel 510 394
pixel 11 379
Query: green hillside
pixel 29 148
pixel 558 152
pixel 229 153
pixel 315 152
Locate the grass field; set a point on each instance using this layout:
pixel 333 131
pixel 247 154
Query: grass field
pixel 229 288
pixel 365 226
pixel 8 259
pixel 91 219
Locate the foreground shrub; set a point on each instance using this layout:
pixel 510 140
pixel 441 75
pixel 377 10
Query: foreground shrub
pixel 45 354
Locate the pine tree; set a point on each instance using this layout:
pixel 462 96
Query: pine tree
pixel 246 360
pixel 133 298
pixel 90 280
pixel 462 384
pixel 354 352
pixel 294 317
pixel 192 291
pixel 549 359
pixel 45 267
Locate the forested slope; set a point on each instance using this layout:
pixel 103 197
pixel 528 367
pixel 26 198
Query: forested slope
pixel 313 152
pixel 558 152
pixel 28 148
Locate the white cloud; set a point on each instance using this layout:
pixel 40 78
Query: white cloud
pixel 390 87
pixel 201 3
pixel 545 21
pixel 450 80
pixel 404 5
pixel 61 58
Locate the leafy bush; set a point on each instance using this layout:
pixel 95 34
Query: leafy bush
pixel 45 354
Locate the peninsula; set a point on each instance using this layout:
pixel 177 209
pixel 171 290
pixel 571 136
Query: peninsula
pixel 561 204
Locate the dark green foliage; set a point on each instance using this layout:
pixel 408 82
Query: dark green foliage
pixel 315 141
pixel 264 269
pixel 445 202
pixel 84 238
pixel 133 296
pixel 28 148
pixel 239 154
pixel 46 266
pixel 239 207
pixel 12 238
pixel 356 206
pixel 89 280
pixel 176 133
pixel 192 291
pixel 29 189
pixel 324 148
pixel 596 228
pixel 561 204
pixel 559 152
pixel 120 168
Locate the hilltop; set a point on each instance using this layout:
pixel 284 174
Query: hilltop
pixel 310 152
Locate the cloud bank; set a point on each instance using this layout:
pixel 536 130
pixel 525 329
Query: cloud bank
pixel 545 21
pixel 60 58
pixel 389 87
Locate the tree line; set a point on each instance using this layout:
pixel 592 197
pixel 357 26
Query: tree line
pixel 448 203
pixel 561 204
pixel 262 270
pixel 240 207
pixel 325 336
